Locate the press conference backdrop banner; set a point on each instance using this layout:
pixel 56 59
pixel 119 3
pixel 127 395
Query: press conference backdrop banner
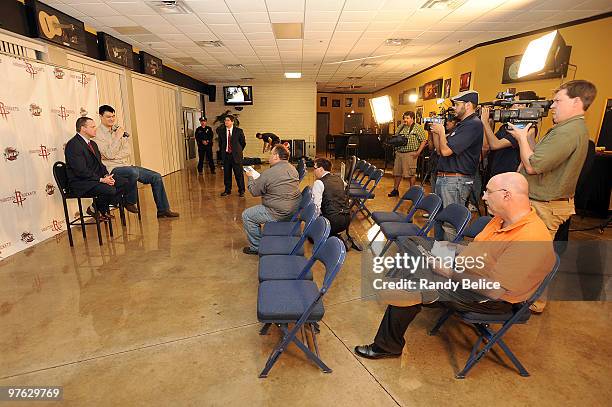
pixel 39 105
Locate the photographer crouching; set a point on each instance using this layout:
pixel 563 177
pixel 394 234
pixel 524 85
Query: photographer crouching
pixel 459 156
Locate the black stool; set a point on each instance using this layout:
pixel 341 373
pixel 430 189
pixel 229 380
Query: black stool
pixel 352 146
pixel 61 179
pixel 330 145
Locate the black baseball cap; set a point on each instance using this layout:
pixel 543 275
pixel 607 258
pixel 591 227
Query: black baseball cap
pixel 466 96
pixel 203 119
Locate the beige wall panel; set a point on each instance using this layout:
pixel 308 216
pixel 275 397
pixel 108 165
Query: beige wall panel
pixel 190 99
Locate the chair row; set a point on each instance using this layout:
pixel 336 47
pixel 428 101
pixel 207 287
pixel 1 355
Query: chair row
pixel 361 186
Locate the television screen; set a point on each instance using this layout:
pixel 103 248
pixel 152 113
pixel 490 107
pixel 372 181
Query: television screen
pixel 238 95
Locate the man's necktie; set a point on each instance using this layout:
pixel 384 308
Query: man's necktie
pixel 90 148
pixel 229 144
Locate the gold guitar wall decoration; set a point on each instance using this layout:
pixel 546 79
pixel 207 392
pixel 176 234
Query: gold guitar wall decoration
pixel 54 26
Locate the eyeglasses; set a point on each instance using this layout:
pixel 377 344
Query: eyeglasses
pixel 490 192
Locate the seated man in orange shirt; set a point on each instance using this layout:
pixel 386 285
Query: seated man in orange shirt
pixel 516 251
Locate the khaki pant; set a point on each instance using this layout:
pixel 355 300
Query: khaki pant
pixel 404 165
pixel 553 214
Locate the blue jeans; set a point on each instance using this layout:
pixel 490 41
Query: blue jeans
pixel 252 218
pixel 144 176
pixel 451 190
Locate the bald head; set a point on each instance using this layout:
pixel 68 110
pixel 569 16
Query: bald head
pixel 514 182
pixel 507 195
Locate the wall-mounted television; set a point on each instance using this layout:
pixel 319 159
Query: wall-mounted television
pixel 238 95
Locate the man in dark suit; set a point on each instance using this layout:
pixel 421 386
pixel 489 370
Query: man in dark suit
pixel 204 140
pixel 86 173
pixel 232 143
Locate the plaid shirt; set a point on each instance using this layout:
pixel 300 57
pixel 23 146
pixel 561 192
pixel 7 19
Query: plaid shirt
pixel 415 138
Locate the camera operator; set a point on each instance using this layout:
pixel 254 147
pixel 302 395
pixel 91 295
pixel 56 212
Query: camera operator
pixel 449 125
pixel 406 156
pixel 504 153
pixel 459 155
pixel 552 167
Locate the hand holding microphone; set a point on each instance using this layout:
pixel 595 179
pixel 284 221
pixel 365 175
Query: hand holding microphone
pixel 117 127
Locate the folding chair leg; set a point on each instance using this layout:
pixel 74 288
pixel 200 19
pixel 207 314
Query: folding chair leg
pixel 374 238
pixel 519 366
pixel 82 218
pixel 441 321
pixel 314 338
pixel 386 247
pixel 68 229
pixel 264 329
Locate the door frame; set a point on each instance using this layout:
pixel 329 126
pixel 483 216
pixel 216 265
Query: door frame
pixel 317 128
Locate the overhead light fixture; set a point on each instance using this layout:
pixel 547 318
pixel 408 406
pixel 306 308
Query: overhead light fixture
pixel 545 55
pixel 442 4
pixel 210 44
pixel 234 66
pixel 293 75
pixel 381 109
pixel 397 42
pixel 169 6
pixel 288 31
pixel 413 98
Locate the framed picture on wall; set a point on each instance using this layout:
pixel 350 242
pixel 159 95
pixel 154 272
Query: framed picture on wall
pixel 323 102
pixel 420 94
pixel 432 90
pixel 419 115
pixel 447 88
pixel 464 81
pixel 361 102
pixel 348 102
pixel 335 102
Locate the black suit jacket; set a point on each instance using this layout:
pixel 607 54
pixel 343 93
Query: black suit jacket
pixel 84 168
pixel 237 140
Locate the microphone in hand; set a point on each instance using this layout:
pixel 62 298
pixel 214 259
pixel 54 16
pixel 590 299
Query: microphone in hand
pixel 115 127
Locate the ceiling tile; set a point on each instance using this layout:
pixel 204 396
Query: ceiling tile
pixel 95 9
pixel 128 8
pixel 224 28
pixel 260 36
pixel 252 17
pixel 217 18
pixel 359 5
pixel 242 6
pixel 285 5
pixel 202 36
pixel 322 16
pixel 194 28
pixel 209 6
pixel 286 17
pixel 256 27
pixel 356 16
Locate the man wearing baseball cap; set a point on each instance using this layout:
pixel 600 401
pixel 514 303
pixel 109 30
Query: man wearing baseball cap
pixel 459 156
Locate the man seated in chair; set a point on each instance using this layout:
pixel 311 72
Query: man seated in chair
pixel 279 188
pixel 115 148
pixel 86 173
pixel 515 249
pixel 329 196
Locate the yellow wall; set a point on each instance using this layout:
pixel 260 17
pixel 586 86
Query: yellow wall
pixel 591 52
pixel 336 116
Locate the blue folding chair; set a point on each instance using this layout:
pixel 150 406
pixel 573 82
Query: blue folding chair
pixel 283 302
pixel 393 230
pixel 269 245
pixel 301 168
pixel 457 216
pixel 291 227
pixel 481 322
pixel 414 195
pixel 359 196
pixel 361 174
pixel 477 226
pixel 286 267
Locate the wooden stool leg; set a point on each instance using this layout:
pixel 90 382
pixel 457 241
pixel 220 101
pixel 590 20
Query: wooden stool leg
pixel 82 219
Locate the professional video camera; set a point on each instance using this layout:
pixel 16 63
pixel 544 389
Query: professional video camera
pixel 441 118
pixel 536 109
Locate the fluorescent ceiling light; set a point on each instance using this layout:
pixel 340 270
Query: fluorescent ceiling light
pixel 293 75
pixel 536 54
pixel 381 109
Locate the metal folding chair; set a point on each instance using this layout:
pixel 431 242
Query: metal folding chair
pixel 481 324
pixel 414 195
pixel 291 227
pixel 359 196
pixel 477 226
pixel 299 302
pixel 269 245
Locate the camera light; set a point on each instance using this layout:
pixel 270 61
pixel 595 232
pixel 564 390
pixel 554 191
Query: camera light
pixel 440 101
pixel 413 98
pixel 536 54
pixel 381 109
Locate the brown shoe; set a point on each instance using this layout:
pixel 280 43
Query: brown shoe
pixel 167 214
pixel 131 208
pixel 100 217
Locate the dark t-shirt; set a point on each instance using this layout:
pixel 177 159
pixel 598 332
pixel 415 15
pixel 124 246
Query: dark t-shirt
pixel 506 159
pixel 466 143
pixel 267 136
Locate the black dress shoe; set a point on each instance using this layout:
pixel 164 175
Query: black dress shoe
pixel 167 214
pixel 395 192
pixel 374 352
pixel 248 250
pixel 226 193
pixel 241 194
pixel 131 208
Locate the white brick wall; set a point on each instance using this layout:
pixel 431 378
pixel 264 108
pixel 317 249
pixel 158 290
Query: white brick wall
pixel 287 109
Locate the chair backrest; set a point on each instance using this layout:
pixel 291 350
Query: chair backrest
pixel 350 168
pixel 359 167
pixel 456 215
pixel 305 200
pixel 61 177
pixel 364 172
pixel 477 226
pixel 353 141
pixel 318 232
pixel 332 254
pixel 368 173
pixel 308 216
pixel 545 282
pixel 414 195
pixel 374 179
pixel 431 203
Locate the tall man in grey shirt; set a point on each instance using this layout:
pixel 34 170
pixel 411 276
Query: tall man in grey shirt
pixel 279 188
pixel 115 149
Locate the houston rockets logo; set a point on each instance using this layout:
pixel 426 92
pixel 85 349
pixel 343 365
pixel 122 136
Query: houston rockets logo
pixel 55 226
pixel 59 74
pixel 30 69
pixel 63 112
pixel 50 189
pixel 35 110
pixel 83 79
pixel 5 110
pixel 18 198
pixel 11 153
pixel 27 237
pixel 43 151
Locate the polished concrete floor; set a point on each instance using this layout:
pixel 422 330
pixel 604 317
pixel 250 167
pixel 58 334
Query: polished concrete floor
pixel 164 314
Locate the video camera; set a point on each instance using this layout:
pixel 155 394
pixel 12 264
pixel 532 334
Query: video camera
pixel 441 118
pixel 536 109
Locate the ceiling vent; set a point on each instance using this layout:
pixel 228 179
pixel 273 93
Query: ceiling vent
pixel 354 77
pixel 442 4
pixel 169 6
pixel 368 65
pixel 210 44
pixel 397 42
pixel 349 87
pixel 234 66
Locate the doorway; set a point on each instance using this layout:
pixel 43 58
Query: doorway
pixel 322 131
pixel 190 123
